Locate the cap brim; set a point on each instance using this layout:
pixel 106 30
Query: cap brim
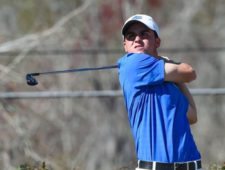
pixel 128 24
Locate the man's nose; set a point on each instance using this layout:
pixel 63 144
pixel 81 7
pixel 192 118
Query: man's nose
pixel 137 37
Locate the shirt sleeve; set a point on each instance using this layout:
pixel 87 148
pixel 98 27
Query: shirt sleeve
pixel 142 70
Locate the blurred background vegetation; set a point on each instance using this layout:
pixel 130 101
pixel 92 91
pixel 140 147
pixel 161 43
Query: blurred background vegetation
pixel 93 132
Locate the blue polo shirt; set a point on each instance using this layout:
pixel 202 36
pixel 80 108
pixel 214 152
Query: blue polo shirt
pixel 157 111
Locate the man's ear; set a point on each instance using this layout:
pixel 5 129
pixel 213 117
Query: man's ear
pixel 158 42
pixel 124 46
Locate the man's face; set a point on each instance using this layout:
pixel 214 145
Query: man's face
pixel 140 39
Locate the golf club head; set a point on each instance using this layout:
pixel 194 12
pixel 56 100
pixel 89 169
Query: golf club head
pixel 31 81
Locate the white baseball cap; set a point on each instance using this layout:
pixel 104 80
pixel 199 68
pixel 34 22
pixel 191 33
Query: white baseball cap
pixel 144 19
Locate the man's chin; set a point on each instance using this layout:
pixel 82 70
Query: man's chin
pixel 138 51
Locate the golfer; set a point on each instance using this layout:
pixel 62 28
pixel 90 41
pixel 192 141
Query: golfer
pixel 159 105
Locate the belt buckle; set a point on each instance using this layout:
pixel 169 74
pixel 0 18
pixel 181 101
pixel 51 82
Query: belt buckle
pixel 192 165
pixel 175 166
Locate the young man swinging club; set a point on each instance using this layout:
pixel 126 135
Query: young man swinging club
pixel 159 105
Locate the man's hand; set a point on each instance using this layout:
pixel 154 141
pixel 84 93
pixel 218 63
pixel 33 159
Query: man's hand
pixel 168 60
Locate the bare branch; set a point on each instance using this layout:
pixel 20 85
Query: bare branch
pixel 33 39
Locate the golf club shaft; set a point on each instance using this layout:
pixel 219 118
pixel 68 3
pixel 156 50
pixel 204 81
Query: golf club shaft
pixel 74 70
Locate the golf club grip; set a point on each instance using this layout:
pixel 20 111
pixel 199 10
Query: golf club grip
pixel 34 74
pixel 75 70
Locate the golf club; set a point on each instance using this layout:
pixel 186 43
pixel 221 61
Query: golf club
pixel 31 81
